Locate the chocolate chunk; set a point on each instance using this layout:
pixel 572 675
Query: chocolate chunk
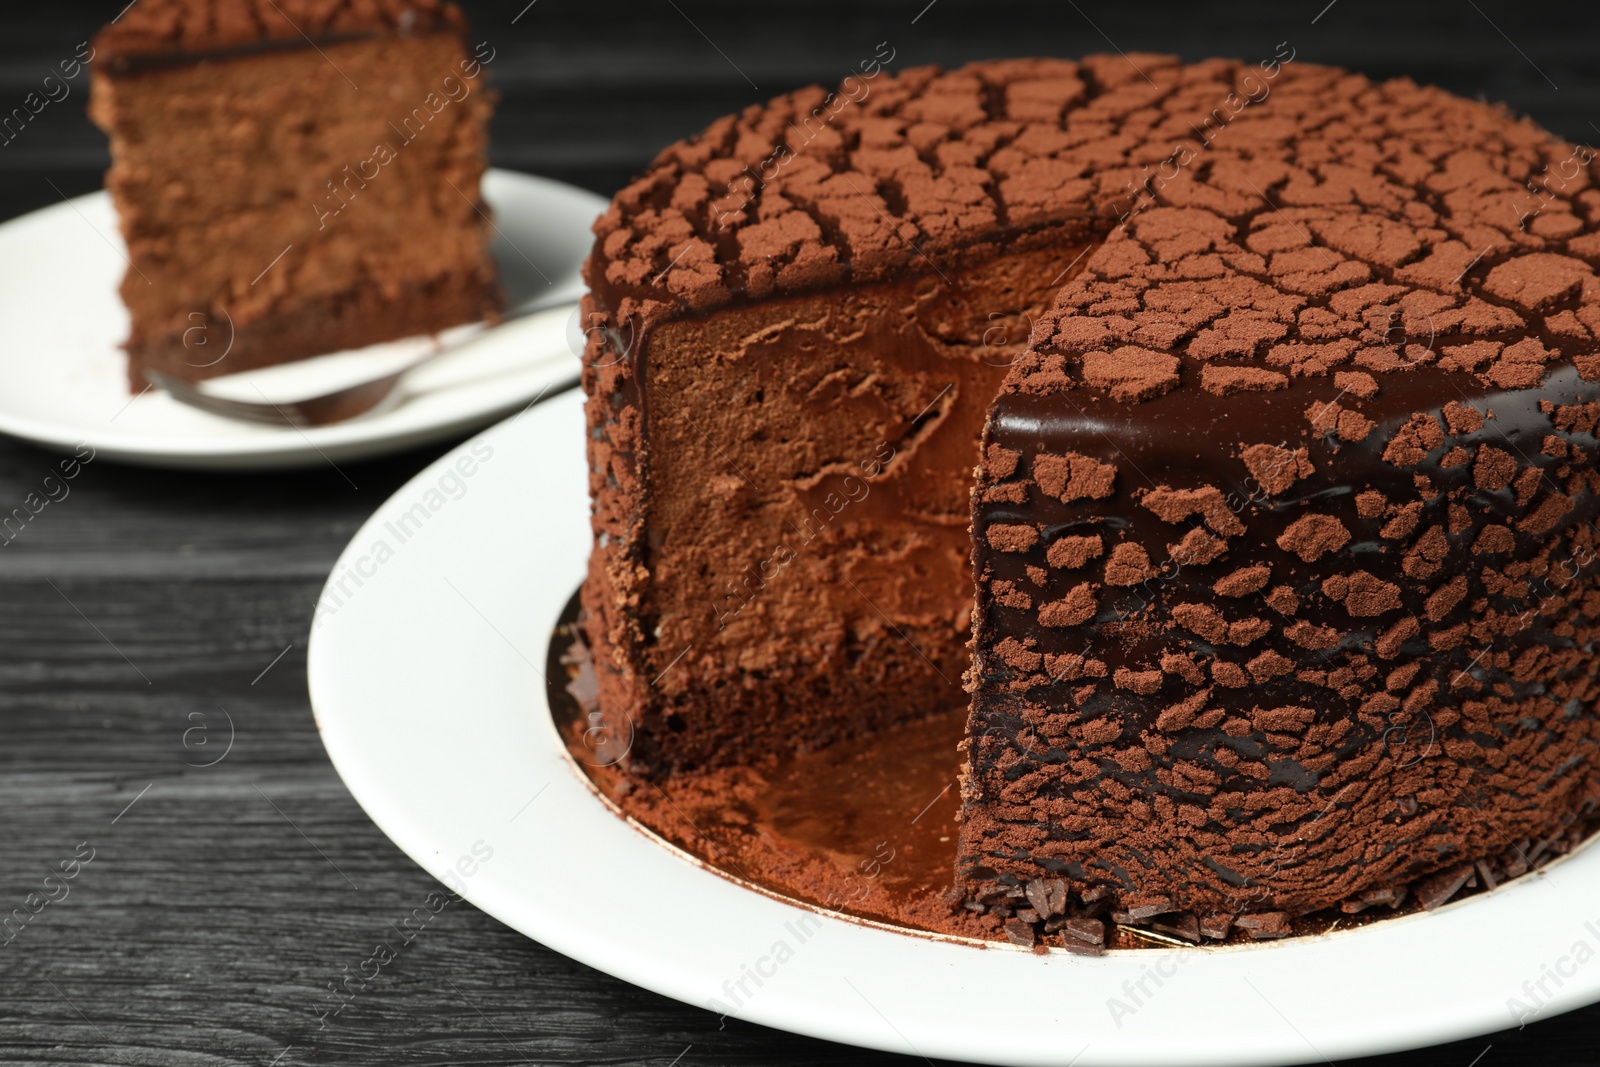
pixel 1099 908
pixel 1434 891
pixel 1266 925
pixel 1484 872
pixel 1048 896
pixel 1517 865
pixel 991 893
pixel 1097 901
pixel 1142 912
pixel 1185 925
pixel 1536 857
pixel 1086 931
pixel 1391 895
pixel 1216 925
pixel 1080 948
pixel 1019 932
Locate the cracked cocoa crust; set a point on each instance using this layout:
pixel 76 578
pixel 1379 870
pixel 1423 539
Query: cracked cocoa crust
pixel 1333 640
pixel 1335 258
pixel 154 32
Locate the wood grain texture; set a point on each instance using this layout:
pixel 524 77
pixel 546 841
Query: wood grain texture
pixel 220 905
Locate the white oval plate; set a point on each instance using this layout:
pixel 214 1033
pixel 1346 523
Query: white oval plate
pixel 424 671
pixel 63 374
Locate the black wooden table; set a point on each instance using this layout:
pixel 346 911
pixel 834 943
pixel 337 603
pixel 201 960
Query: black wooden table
pixel 223 901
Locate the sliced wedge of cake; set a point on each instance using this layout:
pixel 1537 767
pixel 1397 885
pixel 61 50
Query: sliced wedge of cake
pixel 293 178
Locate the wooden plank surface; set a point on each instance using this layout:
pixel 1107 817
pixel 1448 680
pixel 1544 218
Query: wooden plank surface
pixel 222 901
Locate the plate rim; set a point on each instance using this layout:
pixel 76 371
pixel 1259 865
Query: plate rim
pixel 543 921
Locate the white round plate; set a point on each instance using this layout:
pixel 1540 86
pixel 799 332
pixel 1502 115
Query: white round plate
pixel 65 374
pixel 425 676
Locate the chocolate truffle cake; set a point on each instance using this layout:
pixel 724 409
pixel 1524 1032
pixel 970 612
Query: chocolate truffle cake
pixel 293 178
pixel 1281 542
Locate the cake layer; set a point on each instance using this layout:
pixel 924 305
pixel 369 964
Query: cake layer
pixel 274 211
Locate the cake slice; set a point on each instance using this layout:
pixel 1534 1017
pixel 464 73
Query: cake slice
pixel 293 178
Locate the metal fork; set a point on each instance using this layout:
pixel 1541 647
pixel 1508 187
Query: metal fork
pixel 329 408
